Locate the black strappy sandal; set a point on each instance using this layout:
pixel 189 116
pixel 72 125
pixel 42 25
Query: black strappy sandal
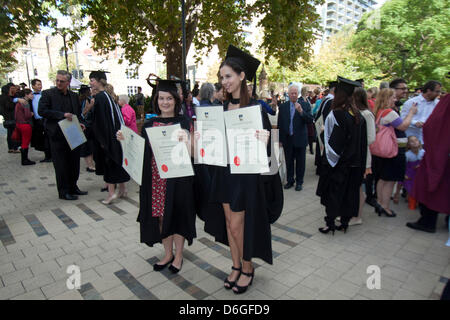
pixel 232 283
pixel 244 288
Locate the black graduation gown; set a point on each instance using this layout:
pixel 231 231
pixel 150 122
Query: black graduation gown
pixel 338 186
pixel 179 207
pixel 105 133
pixel 260 196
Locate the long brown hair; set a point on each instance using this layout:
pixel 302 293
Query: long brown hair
pixel 381 102
pixel 345 102
pixel 244 97
pixel 360 99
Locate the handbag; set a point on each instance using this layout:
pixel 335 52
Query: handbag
pixel 9 124
pixel 16 136
pixel 385 144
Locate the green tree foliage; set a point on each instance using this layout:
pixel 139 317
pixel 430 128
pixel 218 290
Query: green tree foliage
pixel 134 24
pixel 420 27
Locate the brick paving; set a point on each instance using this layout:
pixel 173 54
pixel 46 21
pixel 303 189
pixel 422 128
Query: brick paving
pixel 42 235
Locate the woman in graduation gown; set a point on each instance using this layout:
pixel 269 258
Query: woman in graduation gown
pixel 167 209
pixel 344 160
pixel 106 121
pixel 244 220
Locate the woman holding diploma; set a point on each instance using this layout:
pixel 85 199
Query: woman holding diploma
pixel 244 199
pixel 106 121
pixel 167 211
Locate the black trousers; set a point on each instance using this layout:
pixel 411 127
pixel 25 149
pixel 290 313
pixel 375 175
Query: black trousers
pixel 428 217
pixel 12 145
pixel 293 154
pixel 67 165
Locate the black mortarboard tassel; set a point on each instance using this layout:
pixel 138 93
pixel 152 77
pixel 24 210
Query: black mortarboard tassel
pixel 346 85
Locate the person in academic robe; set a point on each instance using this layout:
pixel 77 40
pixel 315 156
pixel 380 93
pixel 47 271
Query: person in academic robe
pixel 167 208
pixel 106 121
pixel 322 113
pixel 55 105
pixel 344 160
pixel 244 221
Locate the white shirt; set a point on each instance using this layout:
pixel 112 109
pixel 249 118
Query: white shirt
pixel 424 110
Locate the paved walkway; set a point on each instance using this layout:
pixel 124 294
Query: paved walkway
pixel 42 235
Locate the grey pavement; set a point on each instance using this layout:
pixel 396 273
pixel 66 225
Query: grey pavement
pixel 41 236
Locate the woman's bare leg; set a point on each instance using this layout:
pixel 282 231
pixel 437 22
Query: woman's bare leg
pixel 234 249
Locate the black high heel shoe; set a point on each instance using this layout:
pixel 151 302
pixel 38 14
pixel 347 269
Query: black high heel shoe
pixel 175 270
pixel 232 283
pixel 387 214
pixel 244 288
pixel 159 267
pixel 326 230
pixel 342 227
pixel 378 208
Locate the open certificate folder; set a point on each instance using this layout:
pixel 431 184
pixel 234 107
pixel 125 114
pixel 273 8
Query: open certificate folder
pixel 211 146
pixel 72 132
pixel 171 155
pixel 246 153
pixel 133 153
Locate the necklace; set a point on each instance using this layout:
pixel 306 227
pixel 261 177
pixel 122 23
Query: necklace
pixel 235 101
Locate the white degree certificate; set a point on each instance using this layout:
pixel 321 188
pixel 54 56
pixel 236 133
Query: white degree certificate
pixel 246 153
pixel 72 132
pixel 133 147
pixel 171 155
pixel 211 147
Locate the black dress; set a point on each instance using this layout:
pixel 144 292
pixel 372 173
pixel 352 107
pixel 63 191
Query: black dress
pixel 179 206
pixel 343 166
pixel 260 196
pixel 106 121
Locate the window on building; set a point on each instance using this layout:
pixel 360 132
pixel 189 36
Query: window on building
pixel 132 73
pixel 132 90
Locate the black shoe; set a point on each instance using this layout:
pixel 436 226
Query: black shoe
pixel 159 267
pixel 371 202
pixel 342 228
pixel 25 161
pixel 244 288
pixel 387 214
pixel 298 187
pixel 46 160
pixel 232 283
pixel 68 196
pixel 104 189
pixel 378 207
pixel 90 170
pixel 175 270
pixel 289 185
pixel 326 230
pixel 416 226
pixel 79 192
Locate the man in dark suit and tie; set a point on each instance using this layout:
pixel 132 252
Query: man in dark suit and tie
pixel 292 122
pixel 55 105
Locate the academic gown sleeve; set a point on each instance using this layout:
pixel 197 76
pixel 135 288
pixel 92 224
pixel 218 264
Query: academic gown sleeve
pixel 334 139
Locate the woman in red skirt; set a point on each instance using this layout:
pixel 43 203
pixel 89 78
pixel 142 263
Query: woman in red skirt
pixel 23 123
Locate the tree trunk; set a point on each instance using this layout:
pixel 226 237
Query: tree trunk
pixel 174 60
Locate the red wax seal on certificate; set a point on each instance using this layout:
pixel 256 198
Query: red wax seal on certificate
pixel 237 161
pixel 164 168
pixel 202 152
pixel 126 161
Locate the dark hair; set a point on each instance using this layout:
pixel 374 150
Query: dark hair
pixel 177 98
pixel 23 93
pixel 431 85
pixel 84 94
pixel 218 86
pixel 342 100
pixel 139 88
pixel 6 87
pixel 360 98
pixel 236 67
pixel 33 82
pixel 396 82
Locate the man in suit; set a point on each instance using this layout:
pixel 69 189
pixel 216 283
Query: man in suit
pixel 55 105
pixel 293 118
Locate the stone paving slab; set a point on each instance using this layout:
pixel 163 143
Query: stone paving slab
pixel 41 236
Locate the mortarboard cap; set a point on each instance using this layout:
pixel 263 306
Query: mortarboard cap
pixel 348 86
pixel 167 85
pixel 250 64
pixel 83 88
pixel 98 75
